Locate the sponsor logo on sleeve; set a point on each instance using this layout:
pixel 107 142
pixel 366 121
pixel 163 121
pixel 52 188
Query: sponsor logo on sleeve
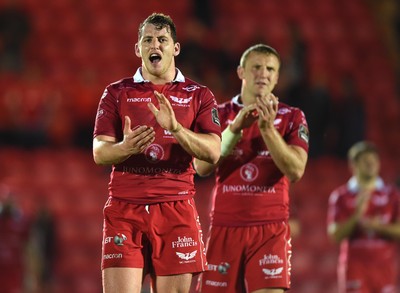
pixel 100 113
pixel 303 133
pixel 215 117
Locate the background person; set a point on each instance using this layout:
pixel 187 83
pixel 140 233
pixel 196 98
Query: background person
pixel 364 217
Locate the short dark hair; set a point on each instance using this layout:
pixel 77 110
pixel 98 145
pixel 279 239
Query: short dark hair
pixel 260 48
pixel 160 21
pixel 360 148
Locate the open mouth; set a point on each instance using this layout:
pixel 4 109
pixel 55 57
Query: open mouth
pixel 154 58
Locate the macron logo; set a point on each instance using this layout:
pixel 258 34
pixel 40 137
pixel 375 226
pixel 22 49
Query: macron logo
pixel 138 100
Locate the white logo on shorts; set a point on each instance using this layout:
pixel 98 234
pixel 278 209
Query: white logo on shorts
pixel 186 256
pixel 273 272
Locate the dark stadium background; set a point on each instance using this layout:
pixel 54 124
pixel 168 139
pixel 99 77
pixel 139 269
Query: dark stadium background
pixel 75 48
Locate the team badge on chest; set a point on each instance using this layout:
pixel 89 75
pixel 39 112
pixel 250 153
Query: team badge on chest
pixel 154 153
pixel 249 172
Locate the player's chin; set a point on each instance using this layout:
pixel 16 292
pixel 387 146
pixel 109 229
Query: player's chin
pixel 155 70
pixel 263 90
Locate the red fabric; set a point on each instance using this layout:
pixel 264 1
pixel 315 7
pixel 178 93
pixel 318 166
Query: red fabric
pixel 168 234
pixel 255 269
pixel 164 171
pixel 367 261
pixel 250 189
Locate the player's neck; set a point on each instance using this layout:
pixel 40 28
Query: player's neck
pixel 161 79
pixel 367 183
pixel 246 99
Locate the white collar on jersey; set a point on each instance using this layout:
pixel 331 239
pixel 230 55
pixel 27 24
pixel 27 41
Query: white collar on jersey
pixel 236 100
pixel 138 77
pixel 352 184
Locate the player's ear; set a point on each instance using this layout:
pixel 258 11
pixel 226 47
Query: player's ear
pixel 177 49
pixel 137 50
pixel 240 72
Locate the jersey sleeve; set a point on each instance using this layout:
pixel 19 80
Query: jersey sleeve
pixel 332 214
pixel 338 210
pixel 108 121
pixel 298 134
pixel 207 120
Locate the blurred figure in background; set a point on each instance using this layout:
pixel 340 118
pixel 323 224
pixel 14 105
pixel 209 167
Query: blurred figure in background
pixel 16 274
pixel 364 217
pixel 44 247
pixel 264 148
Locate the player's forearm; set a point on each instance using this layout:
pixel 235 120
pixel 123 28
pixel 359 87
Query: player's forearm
pixel 203 168
pixel 290 160
pixel 205 147
pixel 109 153
pixel 340 231
pixel 388 230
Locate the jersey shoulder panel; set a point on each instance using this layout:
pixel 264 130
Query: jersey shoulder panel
pixel 338 193
pixel 126 82
pixel 190 82
pixel 294 111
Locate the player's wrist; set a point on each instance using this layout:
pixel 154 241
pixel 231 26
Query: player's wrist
pixel 234 129
pixel 229 140
pixel 177 128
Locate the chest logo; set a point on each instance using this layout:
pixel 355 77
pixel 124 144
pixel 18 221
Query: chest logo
pixel 182 102
pixel 249 172
pixel 154 153
pixel 191 88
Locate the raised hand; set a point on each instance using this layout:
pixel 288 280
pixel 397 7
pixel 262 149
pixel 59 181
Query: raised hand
pixel 165 116
pixel 137 140
pixel 267 108
pixel 244 119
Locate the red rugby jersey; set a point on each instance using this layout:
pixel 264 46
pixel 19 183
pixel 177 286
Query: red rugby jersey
pixel 384 203
pixel 250 189
pixel 164 171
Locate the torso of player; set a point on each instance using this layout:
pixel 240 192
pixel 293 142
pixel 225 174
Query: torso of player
pixel 383 205
pixel 164 171
pixel 250 189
